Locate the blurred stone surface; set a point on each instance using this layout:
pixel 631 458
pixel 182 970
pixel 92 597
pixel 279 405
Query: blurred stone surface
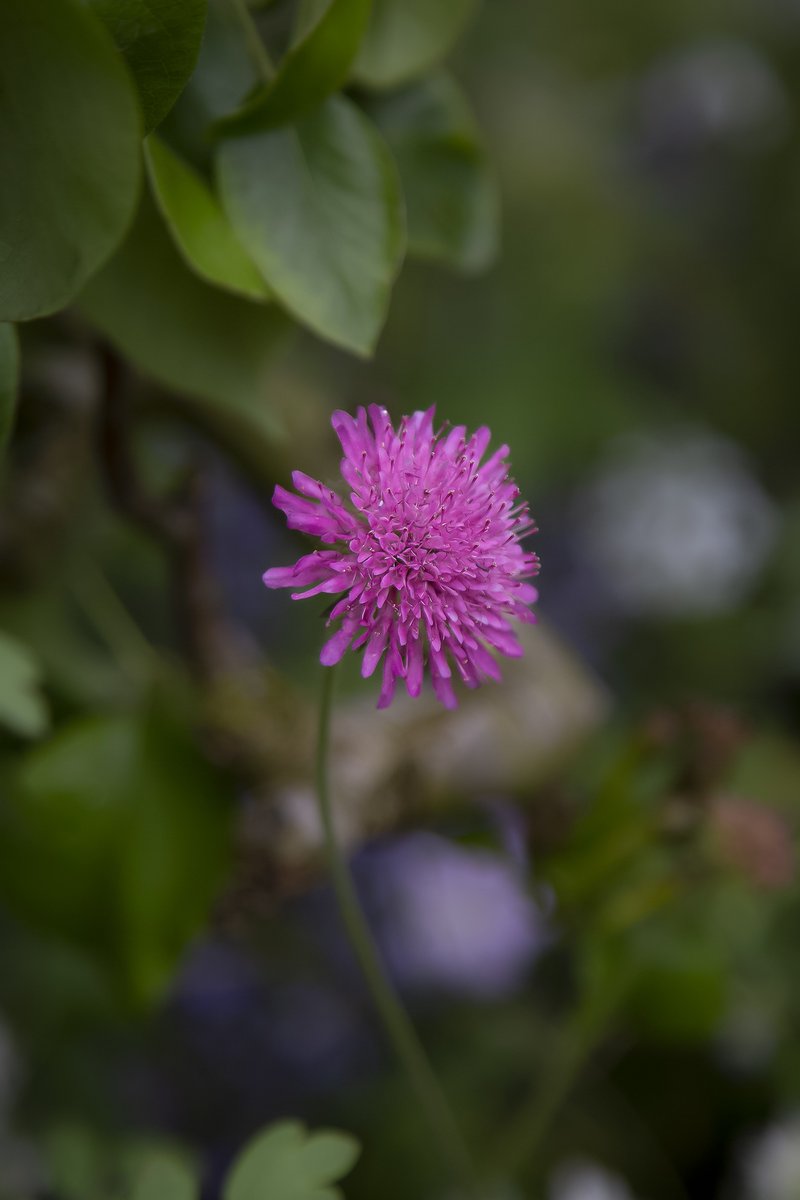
pixel 410 763
pixel 416 758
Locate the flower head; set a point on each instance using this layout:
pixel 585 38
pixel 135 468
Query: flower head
pixel 429 554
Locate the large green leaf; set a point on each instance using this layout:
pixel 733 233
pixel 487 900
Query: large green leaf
pixel 199 227
pixel 115 835
pixel 196 340
pixel 407 37
pixel 9 379
pixel 315 66
pixel 451 199
pixel 69 152
pixel 173 854
pixel 319 208
pixel 288 1163
pixel 60 825
pixel 22 707
pixel 160 40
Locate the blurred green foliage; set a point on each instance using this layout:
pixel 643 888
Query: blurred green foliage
pixel 210 214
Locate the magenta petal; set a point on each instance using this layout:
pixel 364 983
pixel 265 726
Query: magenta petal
pixel 479 441
pixel 389 683
pixel 484 661
pixel 328 586
pixel 374 649
pixel 414 671
pixel 527 593
pixel 439 663
pixel 504 641
pixel 334 649
pixel 277 577
pixel 444 691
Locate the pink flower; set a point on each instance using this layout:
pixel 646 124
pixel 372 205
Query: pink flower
pixel 429 554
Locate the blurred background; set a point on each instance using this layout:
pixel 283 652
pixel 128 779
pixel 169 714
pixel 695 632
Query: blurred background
pixel 584 882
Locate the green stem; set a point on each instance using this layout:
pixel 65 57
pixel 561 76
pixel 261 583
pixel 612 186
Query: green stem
pixel 398 1026
pixel 257 49
pixel 113 622
pixel 526 1131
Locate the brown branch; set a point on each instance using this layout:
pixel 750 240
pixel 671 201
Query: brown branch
pixel 175 521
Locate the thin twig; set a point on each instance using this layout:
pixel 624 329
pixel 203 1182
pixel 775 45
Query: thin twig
pixel 174 521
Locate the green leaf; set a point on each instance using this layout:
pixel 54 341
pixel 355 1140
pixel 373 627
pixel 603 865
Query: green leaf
pixel 680 983
pixel 60 825
pixel 115 836
pixel 174 852
pixel 315 66
pixel 194 339
pixel 69 152
pixel 160 40
pixel 164 1176
pixel 225 74
pixel 83 1165
pixel 23 709
pixel 199 227
pixel 9 379
pixel 288 1163
pixel 319 209
pixel 406 38
pixel 452 205
pixel 75 1161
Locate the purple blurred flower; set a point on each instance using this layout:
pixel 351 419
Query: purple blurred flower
pixel 430 551
pixel 453 919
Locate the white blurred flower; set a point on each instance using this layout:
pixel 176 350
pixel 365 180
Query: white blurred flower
pixel 771 1163
pixel 675 526
pixel 722 91
pixel 581 1180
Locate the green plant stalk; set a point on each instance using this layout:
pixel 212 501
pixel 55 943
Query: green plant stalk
pixel 398 1026
pixel 257 49
pixel 113 622
pixel 526 1131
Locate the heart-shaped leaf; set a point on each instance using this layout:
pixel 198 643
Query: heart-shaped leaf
pixel 160 40
pixel 288 1163
pixel 318 207
pixel 198 225
pixel 69 152
pixel 405 38
pixel 9 378
pixel 315 66
pixel 452 205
